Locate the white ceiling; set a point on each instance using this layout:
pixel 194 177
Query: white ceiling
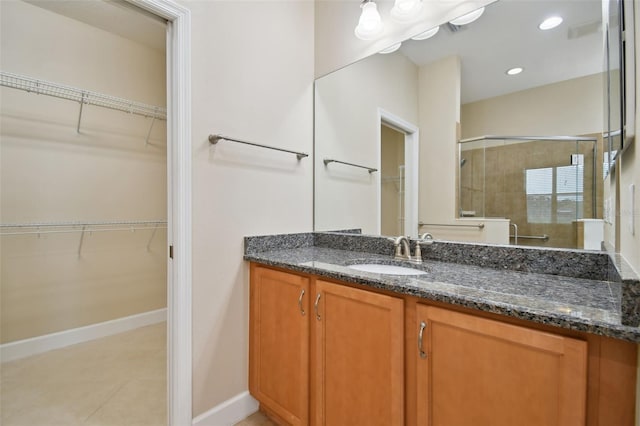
pixel 507 35
pixel 115 16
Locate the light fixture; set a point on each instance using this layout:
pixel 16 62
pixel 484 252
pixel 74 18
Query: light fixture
pixel 550 22
pixel 514 71
pixel 427 34
pixel 370 24
pixel 391 48
pixel 468 17
pixel 406 10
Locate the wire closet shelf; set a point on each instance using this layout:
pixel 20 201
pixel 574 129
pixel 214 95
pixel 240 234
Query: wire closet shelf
pixel 83 228
pixel 65 227
pixel 84 97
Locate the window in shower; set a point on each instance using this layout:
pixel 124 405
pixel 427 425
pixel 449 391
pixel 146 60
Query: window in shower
pixel 555 194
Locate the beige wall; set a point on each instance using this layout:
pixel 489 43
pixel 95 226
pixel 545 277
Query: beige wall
pixel 571 107
pixel 50 173
pixel 347 129
pixel 252 78
pixel 335 20
pixel 439 108
pixel 630 174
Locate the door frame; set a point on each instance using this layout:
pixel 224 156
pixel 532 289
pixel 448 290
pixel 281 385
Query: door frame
pixel 411 171
pixel 179 207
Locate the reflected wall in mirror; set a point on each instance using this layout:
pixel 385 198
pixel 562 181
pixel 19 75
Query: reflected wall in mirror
pixel 454 87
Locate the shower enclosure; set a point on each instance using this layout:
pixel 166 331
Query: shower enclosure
pixel 546 186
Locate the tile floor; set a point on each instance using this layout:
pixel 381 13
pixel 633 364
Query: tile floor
pixel 118 380
pixel 256 419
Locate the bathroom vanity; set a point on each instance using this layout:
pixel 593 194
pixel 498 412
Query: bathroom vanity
pixel 459 345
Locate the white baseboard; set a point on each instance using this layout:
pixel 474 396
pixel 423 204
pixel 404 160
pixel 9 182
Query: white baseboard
pixel 229 412
pixel 35 345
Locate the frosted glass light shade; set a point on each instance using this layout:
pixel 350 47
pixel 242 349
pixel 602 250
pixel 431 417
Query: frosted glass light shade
pixel 391 48
pixel 370 24
pixel 406 10
pixel 468 17
pixel 427 34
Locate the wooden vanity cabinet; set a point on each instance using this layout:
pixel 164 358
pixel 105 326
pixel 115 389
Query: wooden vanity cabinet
pixel 477 371
pixel 358 363
pixel 324 353
pixel 354 374
pixel 279 343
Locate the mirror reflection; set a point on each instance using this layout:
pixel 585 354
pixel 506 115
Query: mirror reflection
pixel 488 132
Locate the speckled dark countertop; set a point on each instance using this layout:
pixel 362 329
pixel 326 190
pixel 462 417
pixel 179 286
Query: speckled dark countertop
pixel 573 302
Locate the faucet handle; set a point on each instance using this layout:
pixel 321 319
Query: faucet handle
pixel 396 245
pixel 426 238
pixel 418 252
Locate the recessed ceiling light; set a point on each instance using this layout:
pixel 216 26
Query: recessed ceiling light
pixel 427 34
pixel 391 48
pixel 514 71
pixel 468 18
pixel 550 23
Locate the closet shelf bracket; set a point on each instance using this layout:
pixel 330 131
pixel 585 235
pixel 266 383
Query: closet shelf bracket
pixel 82 102
pixel 146 141
pixel 84 228
pixel 153 234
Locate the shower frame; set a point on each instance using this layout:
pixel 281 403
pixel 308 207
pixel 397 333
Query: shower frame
pixel 558 138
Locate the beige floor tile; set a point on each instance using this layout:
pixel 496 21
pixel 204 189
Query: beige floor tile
pixel 66 403
pixel 136 403
pixel 256 419
pixel 117 380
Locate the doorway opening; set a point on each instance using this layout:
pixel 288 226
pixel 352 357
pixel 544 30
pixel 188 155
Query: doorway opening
pixel 177 199
pixel 398 186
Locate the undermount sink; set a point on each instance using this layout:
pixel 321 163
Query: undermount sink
pixel 386 269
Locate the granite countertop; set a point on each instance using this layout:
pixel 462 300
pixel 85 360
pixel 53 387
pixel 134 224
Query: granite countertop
pixel 577 303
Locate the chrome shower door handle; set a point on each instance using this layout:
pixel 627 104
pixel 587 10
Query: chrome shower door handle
pixel 300 302
pixel 315 307
pixel 422 353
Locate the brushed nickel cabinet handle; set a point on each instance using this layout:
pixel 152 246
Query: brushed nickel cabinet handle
pixel 422 353
pixel 315 307
pixel 300 302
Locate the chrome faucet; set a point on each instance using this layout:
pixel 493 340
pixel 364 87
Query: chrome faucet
pixel 403 250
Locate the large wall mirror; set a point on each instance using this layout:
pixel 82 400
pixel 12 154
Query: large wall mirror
pixel 619 66
pixel 445 136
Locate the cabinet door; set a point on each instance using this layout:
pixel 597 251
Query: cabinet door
pixel 475 371
pixel 279 340
pixel 359 362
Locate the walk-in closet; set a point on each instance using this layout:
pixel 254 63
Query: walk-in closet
pixel 83 214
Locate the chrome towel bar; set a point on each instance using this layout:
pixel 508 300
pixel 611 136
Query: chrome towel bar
pixel 543 237
pixel 330 160
pixel 479 226
pixel 214 139
pixel 531 138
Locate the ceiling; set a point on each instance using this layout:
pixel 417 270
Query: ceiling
pixel 507 36
pixel 115 16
